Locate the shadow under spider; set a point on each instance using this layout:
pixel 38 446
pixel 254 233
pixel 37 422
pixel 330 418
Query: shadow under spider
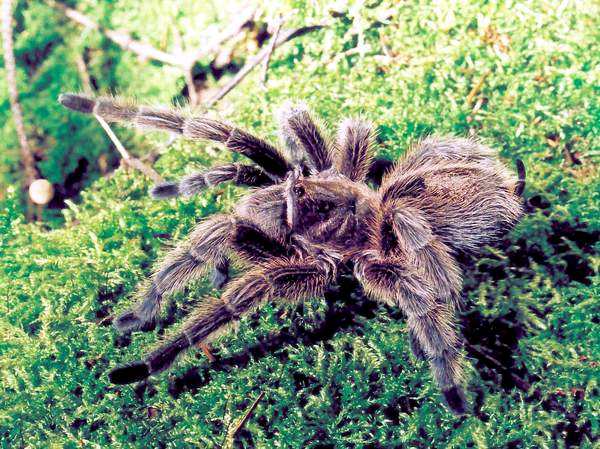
pixel 345 303
pixel 490 341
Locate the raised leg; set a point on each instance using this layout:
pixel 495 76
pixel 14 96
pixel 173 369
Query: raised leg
pixel 240 174
pixel 262 153
pixel 300 131
pixel 280 279
pixel 430 322
pixel 356 139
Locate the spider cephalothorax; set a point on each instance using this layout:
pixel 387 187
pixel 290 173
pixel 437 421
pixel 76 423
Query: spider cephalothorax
pixel 312 213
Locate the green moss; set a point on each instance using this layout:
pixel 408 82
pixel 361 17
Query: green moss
pixel 338 373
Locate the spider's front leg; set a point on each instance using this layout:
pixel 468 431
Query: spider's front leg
pixel 206 247
pixel 237 140
pixel 239 174
pixel 430 319
pixel 281 278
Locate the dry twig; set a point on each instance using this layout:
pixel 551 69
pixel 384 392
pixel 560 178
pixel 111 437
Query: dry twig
pixel 278 26
pixel 181 58
pixel 258 58
pixel 213 48
pixel 127 158
pixel 477 87
pixel 232 31
pixel 121 38
pixel 233 432
pixel 207 352
pixel 13 95
pixel 84 74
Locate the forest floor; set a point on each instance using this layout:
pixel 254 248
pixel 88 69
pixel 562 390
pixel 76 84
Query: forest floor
pixel 337 372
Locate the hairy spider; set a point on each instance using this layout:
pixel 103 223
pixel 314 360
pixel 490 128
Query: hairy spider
pixel 312 213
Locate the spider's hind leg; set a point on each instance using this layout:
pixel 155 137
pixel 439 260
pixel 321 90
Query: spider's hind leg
pixel 416 347
pixel 293 280
pixel 430 321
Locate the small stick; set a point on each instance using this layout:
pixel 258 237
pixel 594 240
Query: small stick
pixel 231 434
pixel 257 59
pixel 271 49
pixel 477 87
pixel 127 158
pixel 235 28
pixel 84 73
pixel 192 92
pixel 122 39
pixel 206 350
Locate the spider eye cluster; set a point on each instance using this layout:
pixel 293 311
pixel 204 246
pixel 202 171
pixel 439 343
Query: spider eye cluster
pixel 299 191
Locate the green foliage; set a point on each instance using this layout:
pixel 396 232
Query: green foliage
pixel 531 305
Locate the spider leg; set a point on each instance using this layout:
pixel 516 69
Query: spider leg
pixel 469 197
pixel 300 131
pixel 220 275
pixel 240 174
pixel 430 320
pixel 415 346
pixel 293 280
pixel 206 247
pixel 262 153
pixel 406 232
pixel 356 139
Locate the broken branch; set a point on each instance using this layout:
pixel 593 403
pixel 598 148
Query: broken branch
pixel 235 28
pixel 121 38
pixel 477 87
pixel 231 434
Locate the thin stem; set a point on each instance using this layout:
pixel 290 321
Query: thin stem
pixel 271 49
pixel 121 38
pixel 257 59
pixel 127 158
pixel 13 94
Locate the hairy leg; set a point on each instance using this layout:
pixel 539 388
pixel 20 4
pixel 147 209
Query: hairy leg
pixel 424 251
pixel 300 131
pixel 293 280
pixel 204 247
pixel 356 139
pixel 240 174
pixel 262 153
pixel 430 322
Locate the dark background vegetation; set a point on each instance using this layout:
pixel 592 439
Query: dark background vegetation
pixel 335 372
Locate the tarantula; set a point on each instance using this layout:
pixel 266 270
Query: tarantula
pixel 312 212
